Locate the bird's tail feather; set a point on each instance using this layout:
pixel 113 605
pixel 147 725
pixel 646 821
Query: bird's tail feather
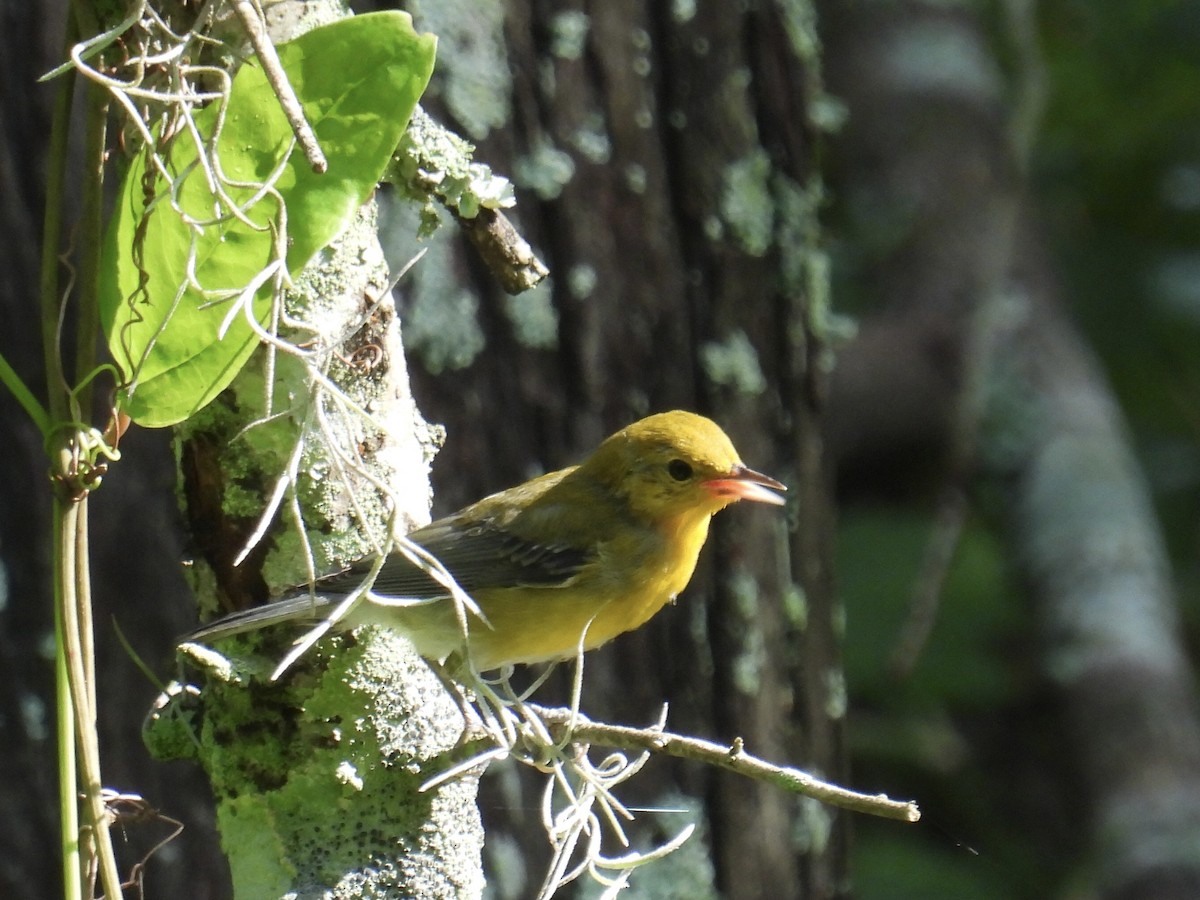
pixel 302 608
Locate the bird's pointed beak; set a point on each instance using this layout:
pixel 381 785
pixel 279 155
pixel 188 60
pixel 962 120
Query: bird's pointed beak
pixel 743 483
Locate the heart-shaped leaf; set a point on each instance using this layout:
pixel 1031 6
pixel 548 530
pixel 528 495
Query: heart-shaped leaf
pixel 177 337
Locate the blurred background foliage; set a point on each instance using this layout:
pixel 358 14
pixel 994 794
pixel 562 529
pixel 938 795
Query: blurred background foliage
pixel 1114 174
pixel 1117 176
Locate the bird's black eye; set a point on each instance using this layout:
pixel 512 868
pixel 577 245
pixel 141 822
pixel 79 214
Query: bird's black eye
pixel 679 470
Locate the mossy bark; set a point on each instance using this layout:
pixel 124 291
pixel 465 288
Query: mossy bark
pixel 318 774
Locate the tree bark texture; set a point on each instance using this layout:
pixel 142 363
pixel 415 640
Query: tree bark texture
pixel 318 775
pixel 664 159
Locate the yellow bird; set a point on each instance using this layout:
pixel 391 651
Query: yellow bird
pixel 571 558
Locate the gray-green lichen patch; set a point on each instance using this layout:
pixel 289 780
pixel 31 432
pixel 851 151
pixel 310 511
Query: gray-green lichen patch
pixel 800 253
pixel 473 74
pixel 635 177
pixel 713 227
pixel 568 34
pixel 813 826
pixel 751 655
pixel 940 57
pixel 431 159
pixel 442 324
pixel 683 11
pixel 504 861
pixel 795 606
pixel 800 25
pixel 805 265
pixel 591 139
pixel 533 317
pixel 441 314
pixel 733 363
pixel 828 113
pixel 333 789
pixel 544 170
pixel 747 205
pixel 354 687
pixel 581 280
pixel 836 699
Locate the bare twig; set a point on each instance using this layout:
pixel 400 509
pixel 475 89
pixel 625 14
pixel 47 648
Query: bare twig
pixel 125 810
pixel 503 250
pixel 732 757
pixel 272 68
pixel 71 558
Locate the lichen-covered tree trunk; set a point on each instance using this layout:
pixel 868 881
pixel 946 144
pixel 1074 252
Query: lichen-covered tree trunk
pixel 663 155
pixel 318 774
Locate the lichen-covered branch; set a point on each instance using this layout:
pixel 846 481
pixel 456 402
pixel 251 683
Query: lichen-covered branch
pixel 434 162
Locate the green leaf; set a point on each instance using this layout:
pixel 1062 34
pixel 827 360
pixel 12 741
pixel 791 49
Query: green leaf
pixel 358 80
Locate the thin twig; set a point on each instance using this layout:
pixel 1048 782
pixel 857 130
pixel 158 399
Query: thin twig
pixel 68 762
pixel 67 721
pixel 69 578
pixel 503 250
pixel 732 757
pixel 272 68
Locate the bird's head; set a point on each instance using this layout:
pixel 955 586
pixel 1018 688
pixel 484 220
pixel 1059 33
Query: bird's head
pixel 675 463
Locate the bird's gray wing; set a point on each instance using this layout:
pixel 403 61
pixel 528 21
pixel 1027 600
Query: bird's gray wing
pixel 477 554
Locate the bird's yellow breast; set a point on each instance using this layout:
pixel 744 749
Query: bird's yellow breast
pixel 631 579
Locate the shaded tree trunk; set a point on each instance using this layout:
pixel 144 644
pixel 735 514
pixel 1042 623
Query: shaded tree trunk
pixel 666 156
